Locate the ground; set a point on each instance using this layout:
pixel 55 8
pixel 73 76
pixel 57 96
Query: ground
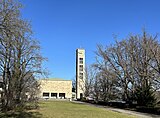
pixel 66 109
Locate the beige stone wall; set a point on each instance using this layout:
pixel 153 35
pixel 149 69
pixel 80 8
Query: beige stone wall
pixel 56 86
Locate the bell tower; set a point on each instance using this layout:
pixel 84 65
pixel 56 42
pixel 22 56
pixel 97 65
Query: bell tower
pixel 80 73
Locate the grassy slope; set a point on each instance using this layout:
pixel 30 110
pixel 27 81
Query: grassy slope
pixel 63 109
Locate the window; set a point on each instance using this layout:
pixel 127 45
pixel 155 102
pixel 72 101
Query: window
pixel 81 60
pixel 81 75
pixel 54 95
pixel 45 94
pixel 62 95
pixel 80 67
pixel 81 95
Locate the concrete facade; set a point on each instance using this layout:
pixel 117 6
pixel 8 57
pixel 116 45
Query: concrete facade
pixel 80 73
pixel 55 88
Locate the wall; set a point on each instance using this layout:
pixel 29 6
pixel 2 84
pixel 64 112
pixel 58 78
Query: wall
pixel 56 86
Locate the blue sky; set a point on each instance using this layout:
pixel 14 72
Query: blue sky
pixel 62 26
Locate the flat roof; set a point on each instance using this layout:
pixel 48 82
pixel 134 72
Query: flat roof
pixel 55 79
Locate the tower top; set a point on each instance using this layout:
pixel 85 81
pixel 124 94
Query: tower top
pixel 80 49
pixel 80 52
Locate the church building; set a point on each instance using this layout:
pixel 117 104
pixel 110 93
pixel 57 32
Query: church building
pixel 62 89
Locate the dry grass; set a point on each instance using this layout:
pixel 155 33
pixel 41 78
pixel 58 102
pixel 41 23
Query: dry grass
pixel 64 109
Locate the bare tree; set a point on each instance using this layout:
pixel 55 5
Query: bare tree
pixel 20 56
pixel 116 58
pixel 86 84
pixel 90 74
pixel 134 64
pixel 107 81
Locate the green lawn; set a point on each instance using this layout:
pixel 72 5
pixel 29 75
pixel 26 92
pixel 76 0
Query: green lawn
pixel 64 109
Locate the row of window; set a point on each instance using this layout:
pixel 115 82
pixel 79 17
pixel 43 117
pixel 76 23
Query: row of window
pixel 47 94
pixel 81 68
